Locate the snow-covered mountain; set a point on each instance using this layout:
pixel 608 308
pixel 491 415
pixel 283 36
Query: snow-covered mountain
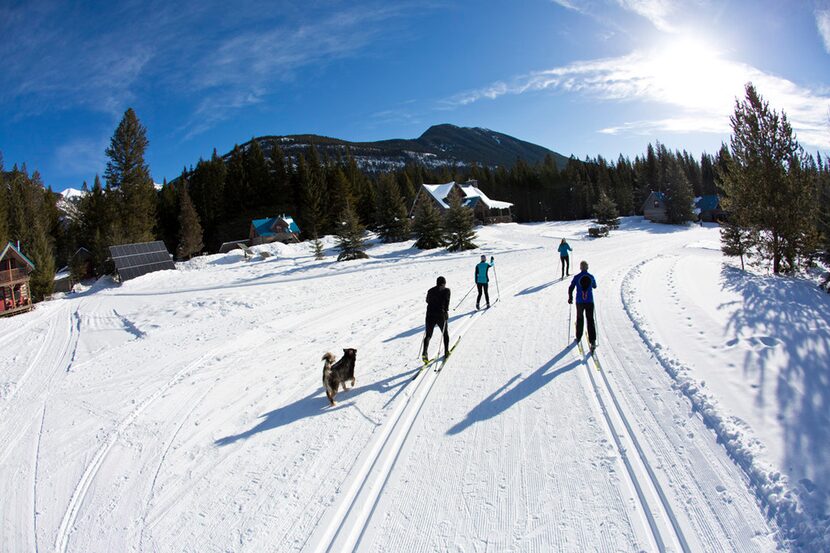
pixel 184 409
pixel 439 146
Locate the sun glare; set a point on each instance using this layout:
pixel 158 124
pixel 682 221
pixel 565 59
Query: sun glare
pixel 690 71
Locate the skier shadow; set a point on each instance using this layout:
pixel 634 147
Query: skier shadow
pixel 534 289
pixel 420 328
pixel 501 400
pixel 314 405
pixel 788 318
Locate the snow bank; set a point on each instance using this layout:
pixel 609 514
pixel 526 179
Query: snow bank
pixel 807 530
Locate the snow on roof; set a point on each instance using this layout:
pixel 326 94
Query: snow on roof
pixel 440 192
pixel 265 227
pixel 472 194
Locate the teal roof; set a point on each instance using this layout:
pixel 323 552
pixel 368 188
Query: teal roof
pixel 708 202
pixel 263 226
pixel 18 252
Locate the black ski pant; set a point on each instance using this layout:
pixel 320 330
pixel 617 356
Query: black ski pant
pixel 566 265
pixel 482 286
pixel 583 311
pixel 441 322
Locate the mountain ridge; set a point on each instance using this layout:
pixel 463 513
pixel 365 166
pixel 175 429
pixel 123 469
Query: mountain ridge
pixel 440 145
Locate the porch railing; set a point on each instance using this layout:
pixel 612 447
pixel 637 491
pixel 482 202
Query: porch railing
pixel 12 275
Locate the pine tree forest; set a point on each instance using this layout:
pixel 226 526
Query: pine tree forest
pixel 222 194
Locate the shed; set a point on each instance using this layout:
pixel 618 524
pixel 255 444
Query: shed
pixel 654 208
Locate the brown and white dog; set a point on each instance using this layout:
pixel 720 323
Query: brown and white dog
pixel 335 374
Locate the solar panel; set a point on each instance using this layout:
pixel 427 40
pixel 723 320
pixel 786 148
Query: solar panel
pixel 135 260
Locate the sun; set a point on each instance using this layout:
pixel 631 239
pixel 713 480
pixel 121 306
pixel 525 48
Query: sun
pixel 691 71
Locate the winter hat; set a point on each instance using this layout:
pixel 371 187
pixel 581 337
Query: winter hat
pixel 441 281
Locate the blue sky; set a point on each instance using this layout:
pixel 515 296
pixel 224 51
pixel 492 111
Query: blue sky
pixel 582 77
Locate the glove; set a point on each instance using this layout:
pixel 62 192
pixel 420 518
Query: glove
pixel 492 259
pixel 570 299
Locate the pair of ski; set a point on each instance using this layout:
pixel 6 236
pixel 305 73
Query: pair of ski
pixel 438 367
pixel 592 353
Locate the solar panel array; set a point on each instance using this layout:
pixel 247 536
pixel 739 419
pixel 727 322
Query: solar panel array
pixel 134 260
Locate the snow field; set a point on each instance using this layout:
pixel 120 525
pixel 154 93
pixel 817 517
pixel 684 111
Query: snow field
pixel 183 411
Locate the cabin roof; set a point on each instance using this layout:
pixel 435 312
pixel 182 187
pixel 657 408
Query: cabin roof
pixel 11 249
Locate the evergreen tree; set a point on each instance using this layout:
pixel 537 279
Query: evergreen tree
pixel 317 249
pixel 768 189
pixel 605 211
pixel 96 215
pixel 824 207
pixel 428 226
pixel 42 280
pixel 256 169
pixel 390 219
pixel 677 194
pixel 459 233
pixel 735 241
pixel 4 207
pixel 350 240
pixel 339 194
pixel 190 231
pixel 237 191
pixel 312 212
pixel 129 178
pixel 168 212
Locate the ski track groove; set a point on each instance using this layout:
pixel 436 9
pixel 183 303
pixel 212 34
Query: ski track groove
pixel 385 459
pixel 34 479
pixel 666 506
pixel 81 489
pixel 298 326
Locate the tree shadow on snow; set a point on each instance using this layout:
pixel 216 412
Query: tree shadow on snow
pixel 316 404
pixel 501 400
pixel 791 317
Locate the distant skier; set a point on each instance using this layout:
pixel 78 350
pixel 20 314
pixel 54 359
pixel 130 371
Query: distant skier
pixel 438 307
pixel 483 279
pixel 584 282
pixel 564 258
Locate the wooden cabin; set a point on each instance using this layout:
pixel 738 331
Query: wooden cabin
pixel 274 229
pixel 486 211
pixel 15 269
pixel 654 208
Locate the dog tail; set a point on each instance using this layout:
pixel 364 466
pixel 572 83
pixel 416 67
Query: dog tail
pixel 328 357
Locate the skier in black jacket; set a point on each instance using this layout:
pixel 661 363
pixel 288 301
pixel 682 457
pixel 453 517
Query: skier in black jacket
pixel 438 307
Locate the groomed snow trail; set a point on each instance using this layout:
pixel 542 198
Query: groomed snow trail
pixel 183 411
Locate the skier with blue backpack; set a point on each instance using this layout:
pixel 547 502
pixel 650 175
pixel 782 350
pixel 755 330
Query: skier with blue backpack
pixel 584 284
pixel 483 280
pixel 564 258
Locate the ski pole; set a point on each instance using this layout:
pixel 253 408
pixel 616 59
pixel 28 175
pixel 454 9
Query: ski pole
pixel 464 298
pixel 596 325
pixel 570 314
pixel 495 274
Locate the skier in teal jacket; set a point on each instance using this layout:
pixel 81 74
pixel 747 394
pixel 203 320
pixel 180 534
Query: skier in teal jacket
pixel 483 280
pixel 564 258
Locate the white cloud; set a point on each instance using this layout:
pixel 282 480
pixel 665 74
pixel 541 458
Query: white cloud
pixel 81 156
pixel 823 24
pixel 656 11
pixel 568 4
pixel 696 82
